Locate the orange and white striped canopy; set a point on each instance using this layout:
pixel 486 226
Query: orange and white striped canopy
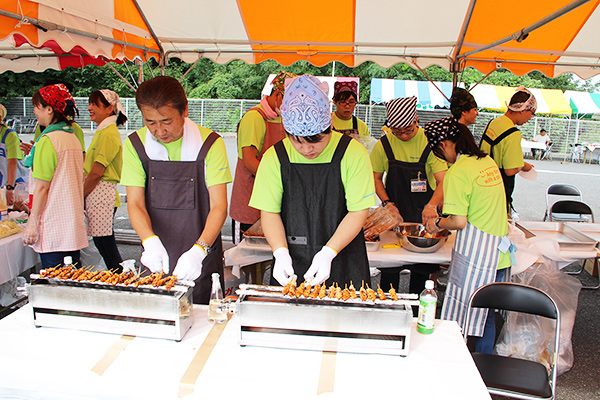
pixel 552 36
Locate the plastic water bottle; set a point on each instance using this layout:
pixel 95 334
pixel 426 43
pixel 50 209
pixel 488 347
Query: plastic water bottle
pixel 427 305
pixel 216 310
pixel 68 261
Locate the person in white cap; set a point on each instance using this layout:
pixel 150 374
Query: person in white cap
pixel 314 190
pixel 414 179
pixel 10 153
pixel 259 129
pixel 501 139
pixel 103 165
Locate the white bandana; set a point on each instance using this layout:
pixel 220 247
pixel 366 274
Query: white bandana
pixel 113 99
pixel 530 104
pixel 190 145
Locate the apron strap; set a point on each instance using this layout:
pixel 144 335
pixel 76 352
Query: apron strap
pixel 424 155
pixel 341 149
pixel 387 148
pixel 284 159
pixel 139 147
pixel 354 123
pixel 207 145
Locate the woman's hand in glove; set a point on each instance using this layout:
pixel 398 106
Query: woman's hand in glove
pixel 155 256
pixel 30 234
pixel 189 265
pixel 320 269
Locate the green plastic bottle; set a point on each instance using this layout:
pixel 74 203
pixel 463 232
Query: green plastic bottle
pixel 427 305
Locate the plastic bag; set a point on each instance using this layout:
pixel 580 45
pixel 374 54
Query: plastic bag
pixel 90 256
pixel 531 337
pixel 381 219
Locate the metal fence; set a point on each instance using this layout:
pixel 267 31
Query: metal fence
pixel 222 116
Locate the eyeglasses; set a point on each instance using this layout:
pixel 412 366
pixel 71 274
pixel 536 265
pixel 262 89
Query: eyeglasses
pixel 346 103
pixel 403 131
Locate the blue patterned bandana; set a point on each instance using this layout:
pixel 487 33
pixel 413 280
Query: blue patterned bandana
pixel 305 106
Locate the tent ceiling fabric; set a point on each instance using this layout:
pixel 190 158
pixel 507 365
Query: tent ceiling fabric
pixel 583 102
pixel 549 101
pixel 351 31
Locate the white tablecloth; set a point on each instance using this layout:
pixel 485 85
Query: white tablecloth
pixel 47 363
pixel 527 145
pixel 15 258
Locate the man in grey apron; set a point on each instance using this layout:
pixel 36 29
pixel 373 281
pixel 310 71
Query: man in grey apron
pixel 408 157
pixel 180 205
pixel 314 190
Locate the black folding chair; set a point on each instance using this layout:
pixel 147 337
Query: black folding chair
pixel 563 190
pixel 570 211
pixel 509 376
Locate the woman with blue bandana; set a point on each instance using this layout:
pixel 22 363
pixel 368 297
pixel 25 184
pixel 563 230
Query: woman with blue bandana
pixel 474 201
pixel 314 190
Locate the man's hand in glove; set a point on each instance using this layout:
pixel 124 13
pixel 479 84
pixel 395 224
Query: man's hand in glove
pixel 189 265
pixel 282 270
pixel 320 269
pixel 155 255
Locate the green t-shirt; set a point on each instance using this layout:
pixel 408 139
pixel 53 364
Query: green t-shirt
pixel 107 150
pixel 409 151
pixel 217 166
pixel 252 130
pixel 340 124
pixel 508 153
pixel 473 188
pixel 44 157
pixel 357 175
pixel 12 142
pixel 76 129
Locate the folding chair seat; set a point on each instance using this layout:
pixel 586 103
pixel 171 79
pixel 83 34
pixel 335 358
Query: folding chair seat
pixel 509 376
pixel 548 154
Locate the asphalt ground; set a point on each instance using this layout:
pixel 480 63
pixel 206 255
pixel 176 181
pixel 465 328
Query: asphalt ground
pixel 582 381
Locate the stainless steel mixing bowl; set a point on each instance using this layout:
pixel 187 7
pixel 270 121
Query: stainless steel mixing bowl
pixel 411 237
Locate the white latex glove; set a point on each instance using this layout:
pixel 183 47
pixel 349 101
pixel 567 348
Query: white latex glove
pixel 320 269
pixel 155 256
pixel 189 265
pixel 282 270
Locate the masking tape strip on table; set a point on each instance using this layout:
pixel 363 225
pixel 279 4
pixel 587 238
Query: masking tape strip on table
pixel 111 355
pixel 327 374
pixel 186 385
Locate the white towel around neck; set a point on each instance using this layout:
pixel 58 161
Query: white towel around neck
pixel 190 145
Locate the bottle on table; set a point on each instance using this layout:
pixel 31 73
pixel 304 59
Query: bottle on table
pixel 217 314
pixel 427 305
pixel 68 261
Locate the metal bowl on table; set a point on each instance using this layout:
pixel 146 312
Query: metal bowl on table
pixel 415 238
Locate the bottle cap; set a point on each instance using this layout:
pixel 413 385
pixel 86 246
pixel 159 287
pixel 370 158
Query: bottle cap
pixel 429 284
pixel 68 260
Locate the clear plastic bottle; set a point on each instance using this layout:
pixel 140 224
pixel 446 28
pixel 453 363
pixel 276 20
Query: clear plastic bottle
pixel 217 314
pixel 427 305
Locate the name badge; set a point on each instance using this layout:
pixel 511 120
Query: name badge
pixel 417 185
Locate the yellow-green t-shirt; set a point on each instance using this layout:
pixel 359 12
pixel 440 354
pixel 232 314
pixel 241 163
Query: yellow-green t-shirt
pixel 342 124
pixel 76 129
pixel 107 150
pixel 508 153
pixel 409 151
pixel 44 159
pixel 252 130
pixel 217 166
pixel 356 174
pixel 473 188
pixel 12 142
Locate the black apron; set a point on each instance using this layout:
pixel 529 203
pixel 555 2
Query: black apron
pixel 398 184
pixel 178 204
pixel 509 181
pixel 312 207
pixel 350 132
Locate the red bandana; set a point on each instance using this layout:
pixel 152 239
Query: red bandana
pixel 57 96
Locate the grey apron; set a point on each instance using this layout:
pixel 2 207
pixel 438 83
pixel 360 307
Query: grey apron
pixel 474 262
pixel 178 204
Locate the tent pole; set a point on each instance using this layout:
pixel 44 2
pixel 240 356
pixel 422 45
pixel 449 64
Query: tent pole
pixel 121 76
pixel 567 140
pixel 414 62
